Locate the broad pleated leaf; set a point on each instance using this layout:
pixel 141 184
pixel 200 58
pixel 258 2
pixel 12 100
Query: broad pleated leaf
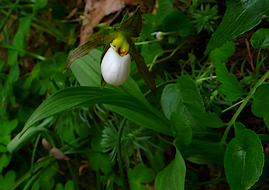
pixel 75 96
pixel 240 17
pixel 26 135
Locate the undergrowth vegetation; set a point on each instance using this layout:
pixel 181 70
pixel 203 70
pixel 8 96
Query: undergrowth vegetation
pixel 193 114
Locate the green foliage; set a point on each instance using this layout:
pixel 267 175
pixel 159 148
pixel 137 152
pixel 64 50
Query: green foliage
pixel 260 38
pixel 100 161
pixel 68 186
pixel 165 7
pixel 205 151
pixel 23 137
pixel 175 95
pixel 7 180
pixel 148 48
pixel 181 127
pixel 244 160
pixel 230 86
pixel 261 100
pixel 62 131
pixel 206 18
pixel 223 53
pixel 240 17
pixel 173 176
pixel 140 174
pixel 177 21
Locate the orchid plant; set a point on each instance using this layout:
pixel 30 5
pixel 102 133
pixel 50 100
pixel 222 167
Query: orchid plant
pixel 118 50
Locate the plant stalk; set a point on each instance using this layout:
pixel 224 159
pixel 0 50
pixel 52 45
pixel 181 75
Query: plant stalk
pixel 120 156
pixel 241 107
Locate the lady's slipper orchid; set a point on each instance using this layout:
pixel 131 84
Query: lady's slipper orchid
pixel 119 47
pixel 115 68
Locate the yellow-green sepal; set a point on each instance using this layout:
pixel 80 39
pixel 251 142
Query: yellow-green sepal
pixel 142 67
pixel 88 46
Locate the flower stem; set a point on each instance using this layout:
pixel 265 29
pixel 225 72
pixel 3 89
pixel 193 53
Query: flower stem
pixel 10 47
pixel 146 42
pixel 33 154
pixel 98 180
pixel 232 106
pixel 73 176
pixel 9 14
pixel 120 156
pixel 241 107
pixel 165 58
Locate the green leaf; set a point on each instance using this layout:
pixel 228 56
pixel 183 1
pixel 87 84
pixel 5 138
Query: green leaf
pixel 223 53
pixel 185 98
pixel 177 21
pixel 96 144
pixel 100 160
pixel 40 4
pixel 174 95
pixel 238 127
pixel 59 186
pixel 190 92
pixel 157 162
pixel 240 17
pixel 14 73
pixel 46 178
pixel 12 57
pixel 173 176
pixel 47 68
pixel 181 127
pixel 19 41
pixel 25 23
pixel 7 181
pixel 5 133
pixel 204 152
pixel 60 59
pixel 26 135
pixel 149 26
pixel 75 96
pixel 261 103
pixel 4 161
pixel 149 51
pixel 140 174
pixel 260 38
pixel 2 63
pixel 69 185
pixel 191 181
pixel 244 160
pixel 24 113
pixel 165 7
pixel 131 26
pixel 230 86
pixel 66 130
pixel 208 119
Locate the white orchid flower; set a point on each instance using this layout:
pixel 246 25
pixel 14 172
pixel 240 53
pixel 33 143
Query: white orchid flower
pixel 116 63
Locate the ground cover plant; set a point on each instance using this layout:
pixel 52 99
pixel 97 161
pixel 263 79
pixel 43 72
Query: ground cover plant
pixel 165 95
